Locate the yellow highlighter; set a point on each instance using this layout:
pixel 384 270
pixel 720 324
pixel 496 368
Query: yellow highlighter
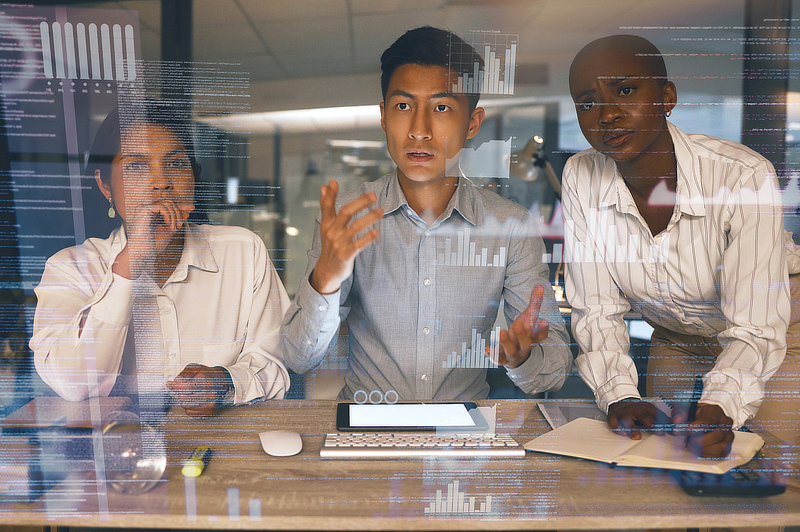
pixel 197 462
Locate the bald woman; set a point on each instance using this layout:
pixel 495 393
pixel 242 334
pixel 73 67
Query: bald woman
pixel 686 230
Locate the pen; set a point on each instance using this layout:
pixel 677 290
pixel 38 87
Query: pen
pixel 197 462
pixel 696 393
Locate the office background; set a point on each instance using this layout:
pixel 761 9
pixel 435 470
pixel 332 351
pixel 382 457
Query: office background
pixel 301 87
pixel 285 98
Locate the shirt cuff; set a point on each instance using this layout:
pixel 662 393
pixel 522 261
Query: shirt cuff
pixel 524 375
pixel 320 308
pixel 116 305
pixel 615 390
pixel 238 392
pixel 228 398
pixel 728 402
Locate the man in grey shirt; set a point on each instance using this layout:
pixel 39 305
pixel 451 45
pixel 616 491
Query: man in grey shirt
pixel 416 262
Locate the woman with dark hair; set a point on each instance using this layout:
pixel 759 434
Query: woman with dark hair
pixel 686 230
pixel 161 301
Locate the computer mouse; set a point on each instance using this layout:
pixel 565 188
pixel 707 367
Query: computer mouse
pixel 281 442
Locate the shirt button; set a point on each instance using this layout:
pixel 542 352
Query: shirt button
pixel 426 282
pixel 427 233
pixel 167 310
pixel 426 330
pixel 424 377
pixel 309 342
pixel 172 354
pixel 323 308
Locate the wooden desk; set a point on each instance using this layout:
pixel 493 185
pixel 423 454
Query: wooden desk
pixel 244 488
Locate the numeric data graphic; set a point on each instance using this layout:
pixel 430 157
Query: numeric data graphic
pixel 499 51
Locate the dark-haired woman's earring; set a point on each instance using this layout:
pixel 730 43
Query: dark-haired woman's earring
pixel 111 212
pixel 668 113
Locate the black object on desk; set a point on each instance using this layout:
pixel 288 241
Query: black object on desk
pixel 739 482
pixel 409 417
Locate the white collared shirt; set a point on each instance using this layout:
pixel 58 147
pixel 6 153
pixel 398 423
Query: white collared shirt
pixel 717 270
pixel 222 306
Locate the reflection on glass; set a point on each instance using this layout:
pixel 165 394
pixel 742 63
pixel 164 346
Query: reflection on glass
pixel 135 454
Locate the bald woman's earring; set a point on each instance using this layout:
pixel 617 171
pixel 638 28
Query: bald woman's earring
pixel 111 212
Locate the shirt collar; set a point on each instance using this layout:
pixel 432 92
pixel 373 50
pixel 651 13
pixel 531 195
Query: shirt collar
pixel 118 241
pixel 690 197
pixel 392 197
pixel 612 187
pixel 462 200
pixel 196 252
pixel 613 190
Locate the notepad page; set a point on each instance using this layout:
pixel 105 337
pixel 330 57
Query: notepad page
pixel 585 438
pixel 669 452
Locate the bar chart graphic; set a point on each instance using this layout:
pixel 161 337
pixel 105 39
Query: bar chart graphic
pixel 467 254
pixel 556 256
pixel 488 160
pixel 455 501
pixel 78 51
pixel 499 51
pixel 472 355
pixel 233 496
pixel 600 243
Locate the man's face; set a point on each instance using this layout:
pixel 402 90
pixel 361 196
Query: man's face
pixel 425 123
pixel 621 108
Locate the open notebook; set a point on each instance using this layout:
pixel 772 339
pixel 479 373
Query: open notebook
pixel 593 440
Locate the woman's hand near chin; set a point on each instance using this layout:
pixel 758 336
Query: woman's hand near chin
pixel 149 229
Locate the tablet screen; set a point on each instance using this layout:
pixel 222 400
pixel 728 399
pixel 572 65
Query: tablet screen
pixel 410 415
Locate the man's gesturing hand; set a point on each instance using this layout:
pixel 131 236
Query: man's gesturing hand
pixel 527 329
pixel 339 245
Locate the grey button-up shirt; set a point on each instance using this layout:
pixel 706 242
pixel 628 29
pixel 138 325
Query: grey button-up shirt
pixel 422 300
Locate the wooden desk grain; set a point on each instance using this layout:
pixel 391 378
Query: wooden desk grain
pixel 306 492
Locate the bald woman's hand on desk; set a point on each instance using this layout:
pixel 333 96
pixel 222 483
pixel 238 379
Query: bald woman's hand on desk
pixel 527 330
pixel 632 416
pixel 710 434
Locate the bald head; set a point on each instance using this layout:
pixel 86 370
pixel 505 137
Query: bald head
pixel 622 100
pixel 631 47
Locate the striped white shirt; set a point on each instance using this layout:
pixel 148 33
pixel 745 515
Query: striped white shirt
pixel 717 270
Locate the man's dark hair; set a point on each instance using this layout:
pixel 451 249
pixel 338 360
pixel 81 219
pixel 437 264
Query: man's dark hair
pixel 428 46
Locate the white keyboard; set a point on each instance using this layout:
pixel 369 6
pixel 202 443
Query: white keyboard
pixel 418 444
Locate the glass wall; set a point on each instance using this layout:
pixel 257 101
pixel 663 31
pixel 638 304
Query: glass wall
pixel 282 96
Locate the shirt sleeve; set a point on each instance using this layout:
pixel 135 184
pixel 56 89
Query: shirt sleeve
pixel 313 319
pixel 548 363
pixel 754 298
pixel 258 371
pixel 79 332
pixel 598 305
